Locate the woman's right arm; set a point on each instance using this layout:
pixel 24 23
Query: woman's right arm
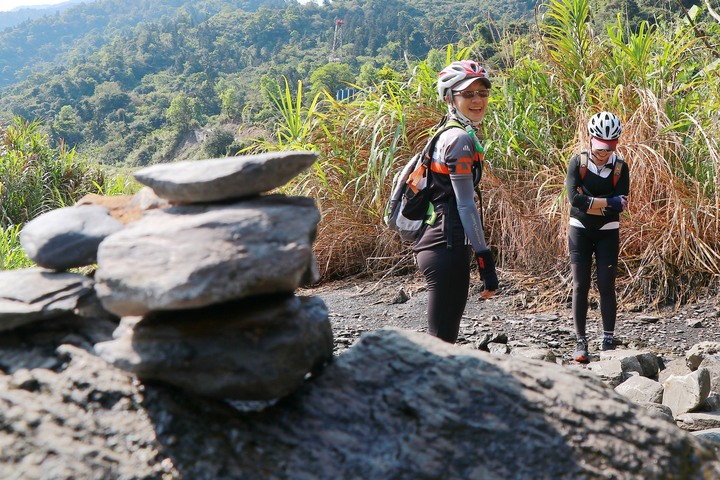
pixel 573 187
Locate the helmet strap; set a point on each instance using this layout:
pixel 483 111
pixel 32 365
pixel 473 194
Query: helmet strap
pixel 460 118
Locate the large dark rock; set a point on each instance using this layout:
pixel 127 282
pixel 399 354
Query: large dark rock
pixel 66 414
pixel 257 349
pixel 404 405
pixel 398 405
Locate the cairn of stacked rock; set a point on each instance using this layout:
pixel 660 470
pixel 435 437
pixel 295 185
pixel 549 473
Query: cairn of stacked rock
pixel 201 266
pixel 192 292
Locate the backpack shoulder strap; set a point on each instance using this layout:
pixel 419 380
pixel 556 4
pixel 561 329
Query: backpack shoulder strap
pixel 617 170
pixel 583 163
pixel 430 147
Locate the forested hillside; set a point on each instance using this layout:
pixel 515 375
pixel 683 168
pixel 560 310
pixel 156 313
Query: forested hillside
pixel 129 82
pixel 70 34
pixel 19 15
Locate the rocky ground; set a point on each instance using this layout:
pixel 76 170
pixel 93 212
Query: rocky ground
pixel 358 306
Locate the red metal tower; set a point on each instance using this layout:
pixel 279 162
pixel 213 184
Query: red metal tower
pixel 335 54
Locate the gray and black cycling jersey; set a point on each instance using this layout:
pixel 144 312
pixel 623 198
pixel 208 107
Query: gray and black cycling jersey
pixel 455 172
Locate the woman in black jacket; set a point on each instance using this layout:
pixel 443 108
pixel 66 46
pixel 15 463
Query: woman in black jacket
pixel 597 184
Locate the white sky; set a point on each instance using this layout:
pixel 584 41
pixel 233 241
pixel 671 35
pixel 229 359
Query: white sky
pixel 6 5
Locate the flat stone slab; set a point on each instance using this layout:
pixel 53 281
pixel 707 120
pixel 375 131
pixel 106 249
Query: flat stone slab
pixel 34 294
pixel 224 178
pixel 198 255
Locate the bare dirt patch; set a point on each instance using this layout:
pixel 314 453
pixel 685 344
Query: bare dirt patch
pixel 360 305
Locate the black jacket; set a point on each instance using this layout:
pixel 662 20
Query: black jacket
pixel 593 185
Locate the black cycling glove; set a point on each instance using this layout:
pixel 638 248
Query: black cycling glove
pixel 487 270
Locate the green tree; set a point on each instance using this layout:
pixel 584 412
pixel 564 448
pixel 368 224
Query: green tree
pixel 68 125
pixel 331 77
pixel 231 102
pixel 218 142
pixel 386 73
pixel 184 113
pixel 108 98
pixel 368 75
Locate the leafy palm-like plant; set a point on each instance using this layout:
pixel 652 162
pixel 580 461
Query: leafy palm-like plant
pixel 567 36
pixel 36 178
pixel 293 133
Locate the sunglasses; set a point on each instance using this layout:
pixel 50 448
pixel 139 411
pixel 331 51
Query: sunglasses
pixel 472 93
pixel 606 150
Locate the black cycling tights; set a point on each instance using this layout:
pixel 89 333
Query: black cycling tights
pixel 447 272
pixel 581 273
pixel 604 246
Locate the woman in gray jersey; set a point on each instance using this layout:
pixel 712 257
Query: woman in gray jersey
pixel 597 184
pixel 443 249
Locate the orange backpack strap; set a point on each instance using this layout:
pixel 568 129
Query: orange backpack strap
pixel 583 163
pixel 618 170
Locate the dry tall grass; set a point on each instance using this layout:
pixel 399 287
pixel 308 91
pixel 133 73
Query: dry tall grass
pixel 661 82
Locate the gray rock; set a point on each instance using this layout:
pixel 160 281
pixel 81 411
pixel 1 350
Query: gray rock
pixel 501 417
pixel 709 437
pixel 632 359
pixel 712 364
pixel 616 371
pixel 712 403
pixel 224 178
pixel 695 355
pixel 126 208
pixel 694 421
pixel 490 337
pixel 676 367
pixel 258 349
pixel 695 323
pixel 67 237
pixel 659 410
pixel 498 348
pixel 641 389
pixel 147 199
pixel 33 294
pixel 534 353
pixel 79 420
pixel 686 393
pixel 194 256
pixel 374 412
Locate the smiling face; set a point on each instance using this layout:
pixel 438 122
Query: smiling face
pixel 601 149
pixel 600 156
pixel 475 107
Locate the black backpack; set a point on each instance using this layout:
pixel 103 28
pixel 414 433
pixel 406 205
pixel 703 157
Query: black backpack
pixel 409 206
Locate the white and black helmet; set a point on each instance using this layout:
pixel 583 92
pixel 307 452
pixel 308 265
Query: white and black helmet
pixel 458 75
pixel 605 126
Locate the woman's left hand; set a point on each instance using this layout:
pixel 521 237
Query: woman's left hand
pixel 624 200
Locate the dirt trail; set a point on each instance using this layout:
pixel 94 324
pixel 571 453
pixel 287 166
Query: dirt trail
pixel 357 306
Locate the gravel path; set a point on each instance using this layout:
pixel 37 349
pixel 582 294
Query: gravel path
pixel 357 306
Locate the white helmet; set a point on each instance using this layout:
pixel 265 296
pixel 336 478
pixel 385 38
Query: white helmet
pixel 605 126
pixel 451 76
